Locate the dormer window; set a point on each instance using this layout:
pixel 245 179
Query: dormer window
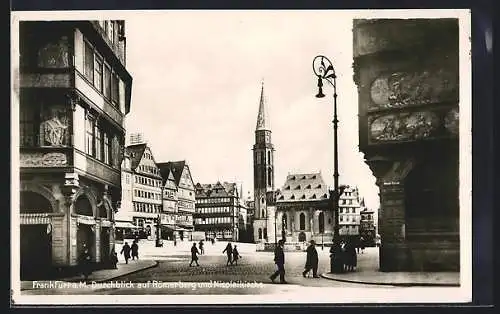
pixel 319 186
pixel 292 178
pixel 298 187
pixel 314 196
pixel 308 187
pixel 313 177
pixel 303 197
pixel 304 177
pixel 325 196
pixel 292 197
pixel 287 188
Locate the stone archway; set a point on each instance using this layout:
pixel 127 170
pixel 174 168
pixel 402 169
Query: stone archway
pixel 87 193
pixel 42 191
pixel 35 237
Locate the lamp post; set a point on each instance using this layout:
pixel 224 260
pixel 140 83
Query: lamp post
pixel 323 69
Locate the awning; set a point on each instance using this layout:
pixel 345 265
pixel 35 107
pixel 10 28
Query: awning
pixel 169 227
pixel 125 224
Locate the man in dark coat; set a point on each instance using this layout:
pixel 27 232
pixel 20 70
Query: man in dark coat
pixel 126 252
pixel 85 262
pixel 194 255
pixel 229 251
pixel 202 250
pixel 311 260
pixel 279 260
pixel 135 250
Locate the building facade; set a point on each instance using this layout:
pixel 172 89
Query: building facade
pixel 304 209
pixel 185 198
pixel 73 97
pixel 147 197
pixel 367 227
pixel 407 73
pixel 125 216
pixel 263 178
pixel 218 212
pixel 349 212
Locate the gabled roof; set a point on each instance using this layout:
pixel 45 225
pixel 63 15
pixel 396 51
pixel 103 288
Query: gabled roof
pixel 176 167
pixel 302 188
pixel 135 151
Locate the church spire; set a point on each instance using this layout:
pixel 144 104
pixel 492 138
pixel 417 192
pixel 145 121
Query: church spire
pixel 262 117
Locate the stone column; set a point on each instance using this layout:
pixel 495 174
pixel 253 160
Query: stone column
pixel 69 189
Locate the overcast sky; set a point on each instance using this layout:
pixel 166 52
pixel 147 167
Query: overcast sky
pixel 197 80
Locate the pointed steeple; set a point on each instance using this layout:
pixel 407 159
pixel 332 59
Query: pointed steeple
pixel 262 117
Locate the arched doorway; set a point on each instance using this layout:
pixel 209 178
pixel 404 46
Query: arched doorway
pixel 104 236
pixel 302 237
pixel 36 239
pixel 85 233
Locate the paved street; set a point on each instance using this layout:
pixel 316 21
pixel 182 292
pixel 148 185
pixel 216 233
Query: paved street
pixel 173 275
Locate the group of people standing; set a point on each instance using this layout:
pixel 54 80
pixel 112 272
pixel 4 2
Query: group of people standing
pixel 345 254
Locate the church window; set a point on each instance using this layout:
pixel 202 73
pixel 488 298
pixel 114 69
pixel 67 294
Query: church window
pixel 260 233
pixel 321 222
pixel 269 177
pixel 263 158
pixel 269 157
pixel 284 222
pixel 302 221
pixel 265 233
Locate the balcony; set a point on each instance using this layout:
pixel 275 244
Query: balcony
pixel 97 169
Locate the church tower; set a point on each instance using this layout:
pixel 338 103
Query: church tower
pixel 263 174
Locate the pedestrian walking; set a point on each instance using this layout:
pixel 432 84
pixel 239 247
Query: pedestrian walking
pixel 311 260
pixel 229 252
pixel 362 244
pixel 194 255
pixel 236 255
pixel 279 260
pixel 202 249
pixel 135 250
pixel 175 241
pixel 213 241
pixel 84 262
pixel 126 252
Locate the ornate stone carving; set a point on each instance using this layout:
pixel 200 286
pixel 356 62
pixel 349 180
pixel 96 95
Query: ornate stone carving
pixel 451 121
pixel 403 126
pixel 403 89
pixel 54 54
pixel 54 127
pixel 43 160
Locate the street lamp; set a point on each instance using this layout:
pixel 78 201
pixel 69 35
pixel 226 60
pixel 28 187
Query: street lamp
pixel 323 69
